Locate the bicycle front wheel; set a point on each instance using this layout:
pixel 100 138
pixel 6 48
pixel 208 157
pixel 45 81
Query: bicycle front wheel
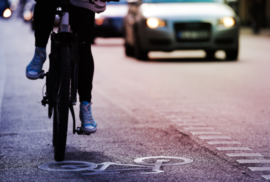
pixel 62 105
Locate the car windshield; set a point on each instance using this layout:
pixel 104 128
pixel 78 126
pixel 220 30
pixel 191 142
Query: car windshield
pixel 120 2
pixel 183 1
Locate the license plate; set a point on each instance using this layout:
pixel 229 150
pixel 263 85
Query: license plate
pixel 193 35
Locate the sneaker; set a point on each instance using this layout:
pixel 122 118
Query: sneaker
pixel 34 68
pixel 88 123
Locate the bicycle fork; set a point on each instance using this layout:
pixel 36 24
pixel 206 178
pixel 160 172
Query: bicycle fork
pixel 63 37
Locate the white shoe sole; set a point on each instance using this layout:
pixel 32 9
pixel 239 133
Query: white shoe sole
pixel 89 131
pixel 32 77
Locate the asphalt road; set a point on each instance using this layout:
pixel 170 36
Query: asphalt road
pixel 143 109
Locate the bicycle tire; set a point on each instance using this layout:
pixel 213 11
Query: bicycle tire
pixel 62 104
pixel 54 127
pixel 52 83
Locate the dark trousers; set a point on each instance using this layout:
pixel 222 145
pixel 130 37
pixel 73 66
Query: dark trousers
pixel 81 22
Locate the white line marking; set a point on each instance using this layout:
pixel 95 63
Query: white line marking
pixel 187 120
pixel 198 128
pixel 191 124
pixel 233 148
pixel 253 161
pixel 213 137
pixel 183 121
pixel 205 133
pixel 267 177
pixel 244 155
pixel 223 142
pixel 171 117
pixel 259 168
pixel 2 78
pixel 176 120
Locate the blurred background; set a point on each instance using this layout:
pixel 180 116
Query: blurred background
pixel 169 25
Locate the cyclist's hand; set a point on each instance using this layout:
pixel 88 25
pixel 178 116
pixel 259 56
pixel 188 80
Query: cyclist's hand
pixel 103 1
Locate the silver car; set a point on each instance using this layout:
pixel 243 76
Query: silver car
pixel 167 25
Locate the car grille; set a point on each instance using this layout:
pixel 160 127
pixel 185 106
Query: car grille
pixel 192 32
pixel 117 23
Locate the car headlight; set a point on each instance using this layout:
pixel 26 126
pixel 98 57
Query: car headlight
pixel 227 22
pixel 27 15
pixel 7 13
pixel 155 23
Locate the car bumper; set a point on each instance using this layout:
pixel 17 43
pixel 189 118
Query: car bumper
pixel 108 31
pixel 165 39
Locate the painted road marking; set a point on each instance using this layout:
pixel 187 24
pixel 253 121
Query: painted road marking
pixel 176 121
pixel 259 168
pixel 213 137
pixel 187 120
pixel 223 142
pixel 233 148
pixel 267 177
pixel 94 168
pixel 198 128
pixel 261 161
pixel 171 117
pixel 2 78
pixel 206 132
pixel 191 124
pixel 244 155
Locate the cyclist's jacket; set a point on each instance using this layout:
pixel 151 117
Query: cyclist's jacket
pixel 97 6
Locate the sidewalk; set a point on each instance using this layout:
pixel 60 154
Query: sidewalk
pixel 248 31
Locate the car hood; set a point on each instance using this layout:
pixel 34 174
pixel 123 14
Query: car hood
pixel 115 11
pixel 186 10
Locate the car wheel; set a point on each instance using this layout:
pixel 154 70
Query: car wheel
pixel 210 54
pixel 129 50
pixel 139 53
pixel 232 55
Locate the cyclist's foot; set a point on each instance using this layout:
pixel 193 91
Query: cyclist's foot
pixel 88 123
pixel 34 68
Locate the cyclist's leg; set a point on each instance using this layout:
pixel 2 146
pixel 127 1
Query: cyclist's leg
pixel 44 15
pixel 82 23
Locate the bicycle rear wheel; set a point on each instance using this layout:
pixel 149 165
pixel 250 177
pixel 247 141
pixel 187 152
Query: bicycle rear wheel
pixel 62 105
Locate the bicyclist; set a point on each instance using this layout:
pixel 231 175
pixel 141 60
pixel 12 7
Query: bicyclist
pixel 82 17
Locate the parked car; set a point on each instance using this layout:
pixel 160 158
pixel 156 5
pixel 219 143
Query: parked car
pixel 110 22
pixel 168 25
pixel 5 10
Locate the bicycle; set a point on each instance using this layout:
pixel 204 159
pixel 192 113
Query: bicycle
pixel 62 81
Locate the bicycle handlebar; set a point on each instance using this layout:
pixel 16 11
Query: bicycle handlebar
pixel 91 1
pixel 65 3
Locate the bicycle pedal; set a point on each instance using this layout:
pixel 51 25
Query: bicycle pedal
pixel 42 75
pixel 79 131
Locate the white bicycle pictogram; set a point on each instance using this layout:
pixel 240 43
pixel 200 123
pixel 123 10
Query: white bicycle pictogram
pixel 103 168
